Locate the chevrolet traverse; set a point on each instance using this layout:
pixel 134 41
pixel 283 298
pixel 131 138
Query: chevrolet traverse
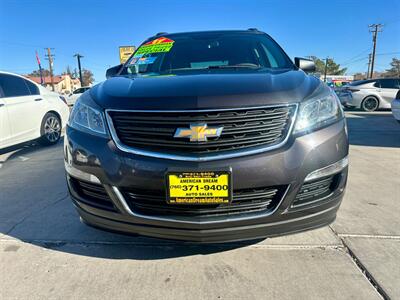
pixel 208 137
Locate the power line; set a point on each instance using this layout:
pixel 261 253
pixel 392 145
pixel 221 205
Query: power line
pixel 356 56
pixel 366 57
pixel 355 61
pixel 392 21
pixel 388 53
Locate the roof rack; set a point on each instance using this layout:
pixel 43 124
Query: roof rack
pixel 252 29
pixel 160 33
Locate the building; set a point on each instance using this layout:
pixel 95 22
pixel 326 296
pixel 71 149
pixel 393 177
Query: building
pixel 63 84
pixel 337 80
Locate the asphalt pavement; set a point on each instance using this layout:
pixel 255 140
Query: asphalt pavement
pixel 45 252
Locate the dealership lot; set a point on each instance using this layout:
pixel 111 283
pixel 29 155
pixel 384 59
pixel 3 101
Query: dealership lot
pixel 46 252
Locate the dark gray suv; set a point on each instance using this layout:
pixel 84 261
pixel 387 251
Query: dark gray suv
pixel 208 137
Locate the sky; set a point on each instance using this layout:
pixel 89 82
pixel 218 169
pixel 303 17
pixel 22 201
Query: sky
pixel 336 28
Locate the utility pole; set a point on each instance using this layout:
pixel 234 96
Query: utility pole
pixel 50 58
pixel 78 56
pixel 369 65
pixel 326 67
pixel 40 68
pixel 374 28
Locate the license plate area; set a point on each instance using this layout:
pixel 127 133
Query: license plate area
pixel 199 187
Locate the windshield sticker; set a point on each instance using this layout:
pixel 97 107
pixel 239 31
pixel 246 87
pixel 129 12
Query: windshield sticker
pixel 146 60
pixel 140 60
pixel 133 60
pixel 159 45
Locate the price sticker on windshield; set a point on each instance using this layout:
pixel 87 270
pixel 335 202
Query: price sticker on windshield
pixel 158 45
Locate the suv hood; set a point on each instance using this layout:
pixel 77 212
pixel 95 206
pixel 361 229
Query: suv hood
pixel 204 91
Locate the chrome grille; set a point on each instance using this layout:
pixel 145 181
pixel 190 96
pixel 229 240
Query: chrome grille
pixel 242 129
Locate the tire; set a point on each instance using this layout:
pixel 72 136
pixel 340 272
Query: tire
pixel 370 104
pixel 50 130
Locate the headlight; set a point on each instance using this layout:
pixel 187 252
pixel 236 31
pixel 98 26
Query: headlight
pixel 319 111
pixel 88 117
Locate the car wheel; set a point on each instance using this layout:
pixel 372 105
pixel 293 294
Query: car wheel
pixel 370 104
pixel 50 130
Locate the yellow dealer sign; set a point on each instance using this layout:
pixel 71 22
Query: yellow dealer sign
pixel 125 52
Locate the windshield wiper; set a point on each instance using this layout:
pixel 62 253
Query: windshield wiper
pixel 244 65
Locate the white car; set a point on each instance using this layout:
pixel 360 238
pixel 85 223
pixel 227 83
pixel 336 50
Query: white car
pixel 29 111
pixel 371 94
pixel 71 99
pixel 396 107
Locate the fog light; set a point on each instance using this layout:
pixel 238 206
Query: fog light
pixel 71 170
pixel 329 170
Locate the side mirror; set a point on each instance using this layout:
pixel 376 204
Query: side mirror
pixel 111 72
pixel 307 65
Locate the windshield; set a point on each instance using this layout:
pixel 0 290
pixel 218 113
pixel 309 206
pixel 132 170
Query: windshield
pixel 183 52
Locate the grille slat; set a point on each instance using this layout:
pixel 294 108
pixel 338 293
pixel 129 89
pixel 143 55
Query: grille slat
pixel 227 130
pixel 244 201
pixel 243 128
pixel 249 129
pixel 144 117
pixel 92 187
pixel 315 190
pixel 95 195
pixel 313 194
pixel 201 145
pixel 92 194
pixel 165 124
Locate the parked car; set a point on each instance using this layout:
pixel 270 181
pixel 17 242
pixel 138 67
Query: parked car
pixel 344 95
pixel 29 111
pixel 372 94
pixel 396 106
pixel 208 137
pixel 71 99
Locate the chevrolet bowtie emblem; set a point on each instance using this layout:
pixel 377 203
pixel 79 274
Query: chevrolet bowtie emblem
pixel 198 132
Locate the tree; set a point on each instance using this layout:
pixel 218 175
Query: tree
pixel 319 64
pixel 360 76
pixel 395 68
pixel 87 77
pixel 68 72
pixel 36 73
pixel 75 73
pixel 332 68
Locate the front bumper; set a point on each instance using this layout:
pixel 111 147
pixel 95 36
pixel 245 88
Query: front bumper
pixel 287 166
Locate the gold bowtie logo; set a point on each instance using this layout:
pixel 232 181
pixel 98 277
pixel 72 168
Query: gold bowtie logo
pixel 198 132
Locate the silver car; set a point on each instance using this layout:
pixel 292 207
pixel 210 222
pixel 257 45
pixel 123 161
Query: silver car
pixel 344 95
pixel 396 107
pixel 372 94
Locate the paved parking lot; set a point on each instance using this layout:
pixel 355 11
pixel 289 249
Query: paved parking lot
pixel 45 252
